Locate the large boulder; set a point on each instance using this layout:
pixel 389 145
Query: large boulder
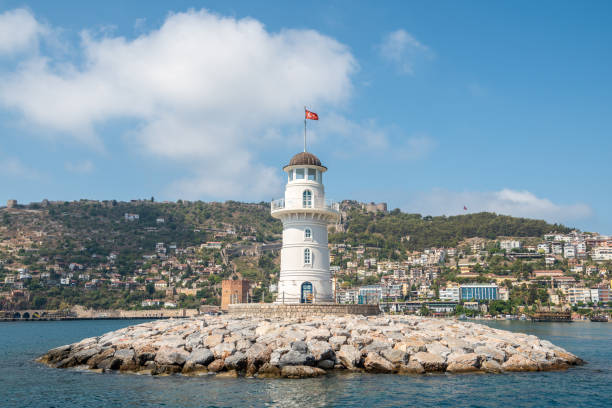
pixel 490 366
pixel 237 361
pixel 520 362
pixel 413 367
pixel 216 366
pixel 318 334
pixel 349 356
pixel 212 341
pixel 98 358
pixel 223 350
pixel 321 350
pixel 395 356
pixel 411 345
pixel 375 363
pixel 295 357
pixel 438 349
pixel 463 362
pixel 258 354
pixel 430 362
pixel 171 356
pixel 82 356
pixel 268 371
pixel 301 371
pixel 337 341
pixel 200 356
pixel 491 353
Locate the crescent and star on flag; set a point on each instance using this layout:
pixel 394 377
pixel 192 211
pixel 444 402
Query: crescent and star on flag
pixel 311 116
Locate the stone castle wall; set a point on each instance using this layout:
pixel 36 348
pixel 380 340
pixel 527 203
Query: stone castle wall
pixel 301 310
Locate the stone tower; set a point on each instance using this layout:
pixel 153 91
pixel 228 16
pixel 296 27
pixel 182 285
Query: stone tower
pixel 304 272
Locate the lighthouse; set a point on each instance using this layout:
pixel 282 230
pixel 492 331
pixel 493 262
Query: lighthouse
pixel 305 213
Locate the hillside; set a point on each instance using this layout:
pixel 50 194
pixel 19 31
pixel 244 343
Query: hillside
pixel 415 232
pixel 122 255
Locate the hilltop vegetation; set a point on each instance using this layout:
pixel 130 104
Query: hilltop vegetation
pixel 398 230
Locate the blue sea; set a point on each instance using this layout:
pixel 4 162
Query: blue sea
pixel 25 383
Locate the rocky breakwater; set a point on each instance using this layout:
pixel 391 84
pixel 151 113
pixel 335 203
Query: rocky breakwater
pixel 309 347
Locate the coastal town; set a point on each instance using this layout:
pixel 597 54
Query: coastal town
pixel 498 277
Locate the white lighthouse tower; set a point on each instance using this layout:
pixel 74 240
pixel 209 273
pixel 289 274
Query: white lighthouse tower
pixel 304 272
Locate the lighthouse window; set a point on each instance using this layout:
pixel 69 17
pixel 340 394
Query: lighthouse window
pixel 290 175
pixel 312 174
pixel 307 256
pixel 307 233
pixel 319 176
pixel 299 174
pixel 307 199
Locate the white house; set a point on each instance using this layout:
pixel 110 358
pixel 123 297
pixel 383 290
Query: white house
pixel 509 244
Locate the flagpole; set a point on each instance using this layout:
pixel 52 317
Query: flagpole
pixel 304 129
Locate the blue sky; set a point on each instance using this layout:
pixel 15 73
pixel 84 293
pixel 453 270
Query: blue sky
pixel 498 106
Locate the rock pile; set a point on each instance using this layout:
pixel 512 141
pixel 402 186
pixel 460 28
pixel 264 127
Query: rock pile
pixel 309 347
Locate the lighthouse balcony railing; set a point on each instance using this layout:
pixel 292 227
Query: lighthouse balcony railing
pixel 282 204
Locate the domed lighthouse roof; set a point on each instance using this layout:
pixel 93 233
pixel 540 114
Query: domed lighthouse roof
pixel 305 159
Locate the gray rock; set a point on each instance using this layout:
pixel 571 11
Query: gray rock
pixel 125 355
pixel 319 334
pixel 243 344
pixel 490 353
pixel 170 355
pixel 301 372
pixel 299 346
pixel 259 354
pixel 429 361
pixel 194 341
pixel 337 341
pixel 236 361
pixel 349 356
pixel 224 350
pixel 413 367
pixel 439 349
pixel 294 357
pixel 375 363
pixel 395 356
pixel 82 356
pixel 326 364
pixel 377 347
pixel 321 350
pixel 463 362
pixel 200 356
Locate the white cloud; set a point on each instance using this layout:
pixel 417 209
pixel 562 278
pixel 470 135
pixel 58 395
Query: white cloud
pixel 14 167
pixel 19 31
pixel 83 166
pixel 402 49
pixel 203 88
pixel 506 201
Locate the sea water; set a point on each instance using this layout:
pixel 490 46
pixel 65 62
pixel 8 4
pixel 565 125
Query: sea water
pixel 25 383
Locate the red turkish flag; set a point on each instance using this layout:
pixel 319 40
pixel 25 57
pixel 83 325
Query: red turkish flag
pixel 311 115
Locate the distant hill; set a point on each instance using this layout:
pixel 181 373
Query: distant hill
pixel 92 227
pixel 415 232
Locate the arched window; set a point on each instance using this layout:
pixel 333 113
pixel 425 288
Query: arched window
pixel 307 257
pixel 307 199
pixel 307 233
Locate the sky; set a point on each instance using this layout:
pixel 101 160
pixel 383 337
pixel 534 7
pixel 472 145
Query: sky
pixel 433 108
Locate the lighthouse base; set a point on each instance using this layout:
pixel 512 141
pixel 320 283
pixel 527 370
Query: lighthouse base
pixel 300 310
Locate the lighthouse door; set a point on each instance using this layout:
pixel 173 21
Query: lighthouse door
pixel 306 293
